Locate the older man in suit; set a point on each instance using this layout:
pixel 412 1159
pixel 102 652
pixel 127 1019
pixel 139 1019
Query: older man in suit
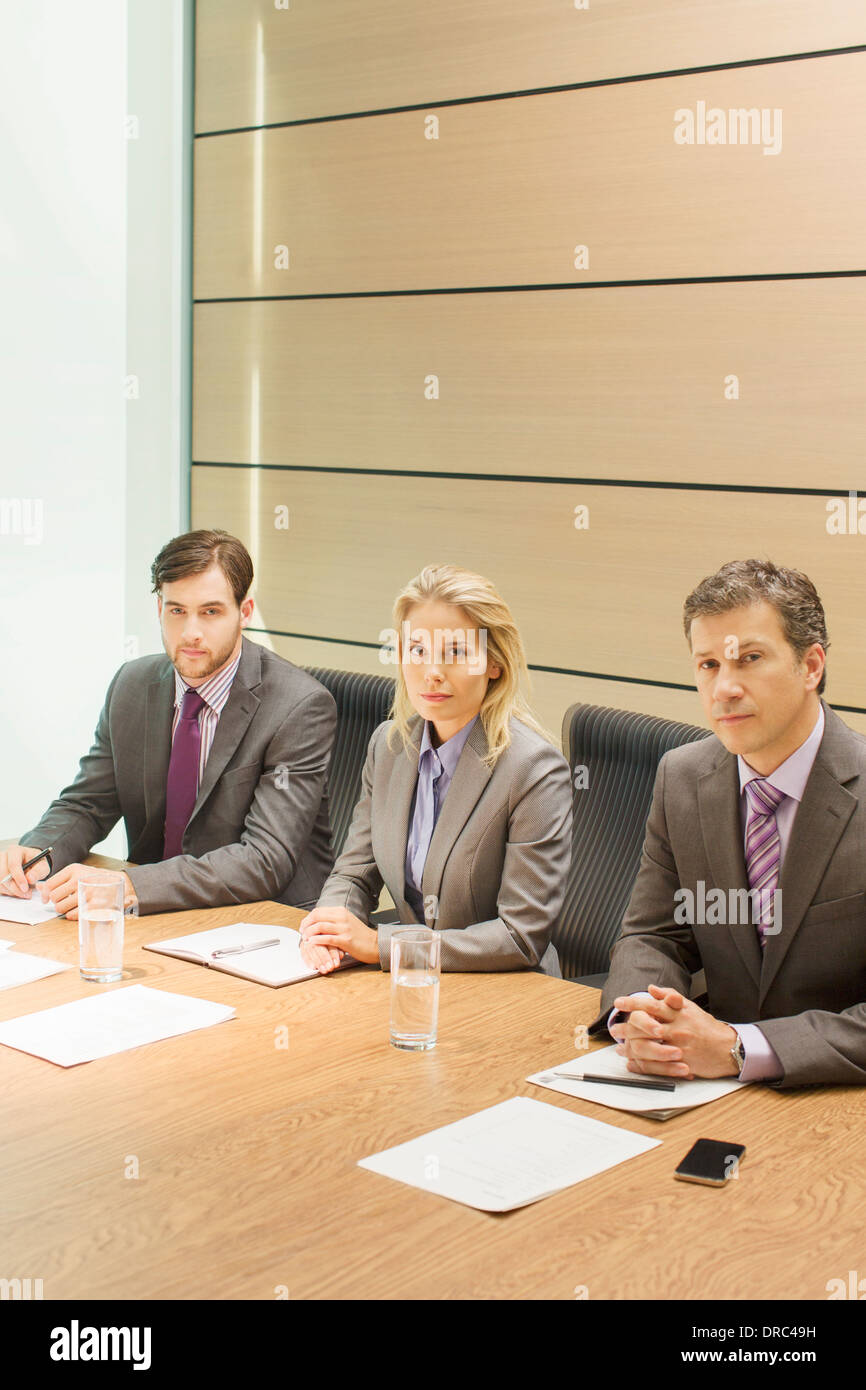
pixel 754 862
pixel 216 756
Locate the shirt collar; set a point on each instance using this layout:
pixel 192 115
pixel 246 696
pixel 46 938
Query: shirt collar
pixel 792 775
pixel 449 751
pixel 215 692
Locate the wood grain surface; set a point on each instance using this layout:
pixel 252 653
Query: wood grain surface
pixel 607 598
pixel 256 62
pixel 248 1185
pixel 510 188
pixel 624 384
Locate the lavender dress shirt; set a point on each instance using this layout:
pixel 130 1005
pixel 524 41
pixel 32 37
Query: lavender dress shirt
pixel 436 766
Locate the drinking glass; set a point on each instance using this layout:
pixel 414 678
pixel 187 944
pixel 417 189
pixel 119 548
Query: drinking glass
pixel 415 955
pixel 100 925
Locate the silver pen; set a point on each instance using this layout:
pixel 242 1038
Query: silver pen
pixel 238 950
pixel 643 1083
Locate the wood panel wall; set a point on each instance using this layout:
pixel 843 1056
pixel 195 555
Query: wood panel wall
pixel 459 270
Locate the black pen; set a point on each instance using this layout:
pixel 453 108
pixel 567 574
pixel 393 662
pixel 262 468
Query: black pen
pixel 43 854
pixel 657 1084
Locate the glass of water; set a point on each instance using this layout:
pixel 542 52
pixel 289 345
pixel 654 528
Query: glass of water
pixel 415 953
pixel 100 926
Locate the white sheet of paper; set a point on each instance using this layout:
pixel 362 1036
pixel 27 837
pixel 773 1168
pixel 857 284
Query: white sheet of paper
pixel 31 911
pixel 16 968
pixel 272 966
pixel 5 944
pixel 107 1023
pixel 607 1061
pixel 508 1156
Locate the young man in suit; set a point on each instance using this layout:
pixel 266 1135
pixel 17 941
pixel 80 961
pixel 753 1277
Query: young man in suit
pixel 215 755
pixel 754 863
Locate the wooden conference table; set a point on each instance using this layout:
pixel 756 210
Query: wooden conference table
pixel 246 1153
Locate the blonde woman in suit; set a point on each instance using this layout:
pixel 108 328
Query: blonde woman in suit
pixel 465 809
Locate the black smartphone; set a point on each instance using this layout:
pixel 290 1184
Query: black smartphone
pixel 710 1161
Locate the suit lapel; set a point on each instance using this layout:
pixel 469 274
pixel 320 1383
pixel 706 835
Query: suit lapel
pixel 233 722
pixel 719 809
pixel 471 776
pixel 401 786
pixel 823 814
pixel 158 711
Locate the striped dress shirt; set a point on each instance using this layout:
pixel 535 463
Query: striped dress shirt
pixel 215 692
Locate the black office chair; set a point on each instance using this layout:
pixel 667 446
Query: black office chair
pixel 362 703
pixel 620 752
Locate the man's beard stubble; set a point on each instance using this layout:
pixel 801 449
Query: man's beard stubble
pixel 200 670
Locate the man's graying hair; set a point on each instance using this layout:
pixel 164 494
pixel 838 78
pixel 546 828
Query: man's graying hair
pixel 743 582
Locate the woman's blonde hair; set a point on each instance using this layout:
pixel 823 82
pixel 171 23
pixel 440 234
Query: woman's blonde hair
pixel 486 610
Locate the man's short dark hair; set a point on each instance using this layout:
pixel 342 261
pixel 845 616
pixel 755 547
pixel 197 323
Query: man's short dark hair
pixel 196 551
pixel 743 582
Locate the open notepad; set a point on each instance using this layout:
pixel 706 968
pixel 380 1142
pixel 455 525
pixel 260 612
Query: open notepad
pixel 655 1105
pixel 273 965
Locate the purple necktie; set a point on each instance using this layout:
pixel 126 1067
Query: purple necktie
pixel 181 785
pixel 763 849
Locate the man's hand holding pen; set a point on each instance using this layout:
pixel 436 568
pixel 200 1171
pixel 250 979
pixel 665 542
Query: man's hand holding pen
pixel 21 868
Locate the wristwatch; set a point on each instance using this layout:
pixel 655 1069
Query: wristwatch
pixel 738 1052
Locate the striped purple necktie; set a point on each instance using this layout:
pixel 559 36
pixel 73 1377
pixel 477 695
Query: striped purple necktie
pixel 181 785
pixel 763 848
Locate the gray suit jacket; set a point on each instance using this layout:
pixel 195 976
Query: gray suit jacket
pixel 495 875
pixel 807 986
pixel 259 827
